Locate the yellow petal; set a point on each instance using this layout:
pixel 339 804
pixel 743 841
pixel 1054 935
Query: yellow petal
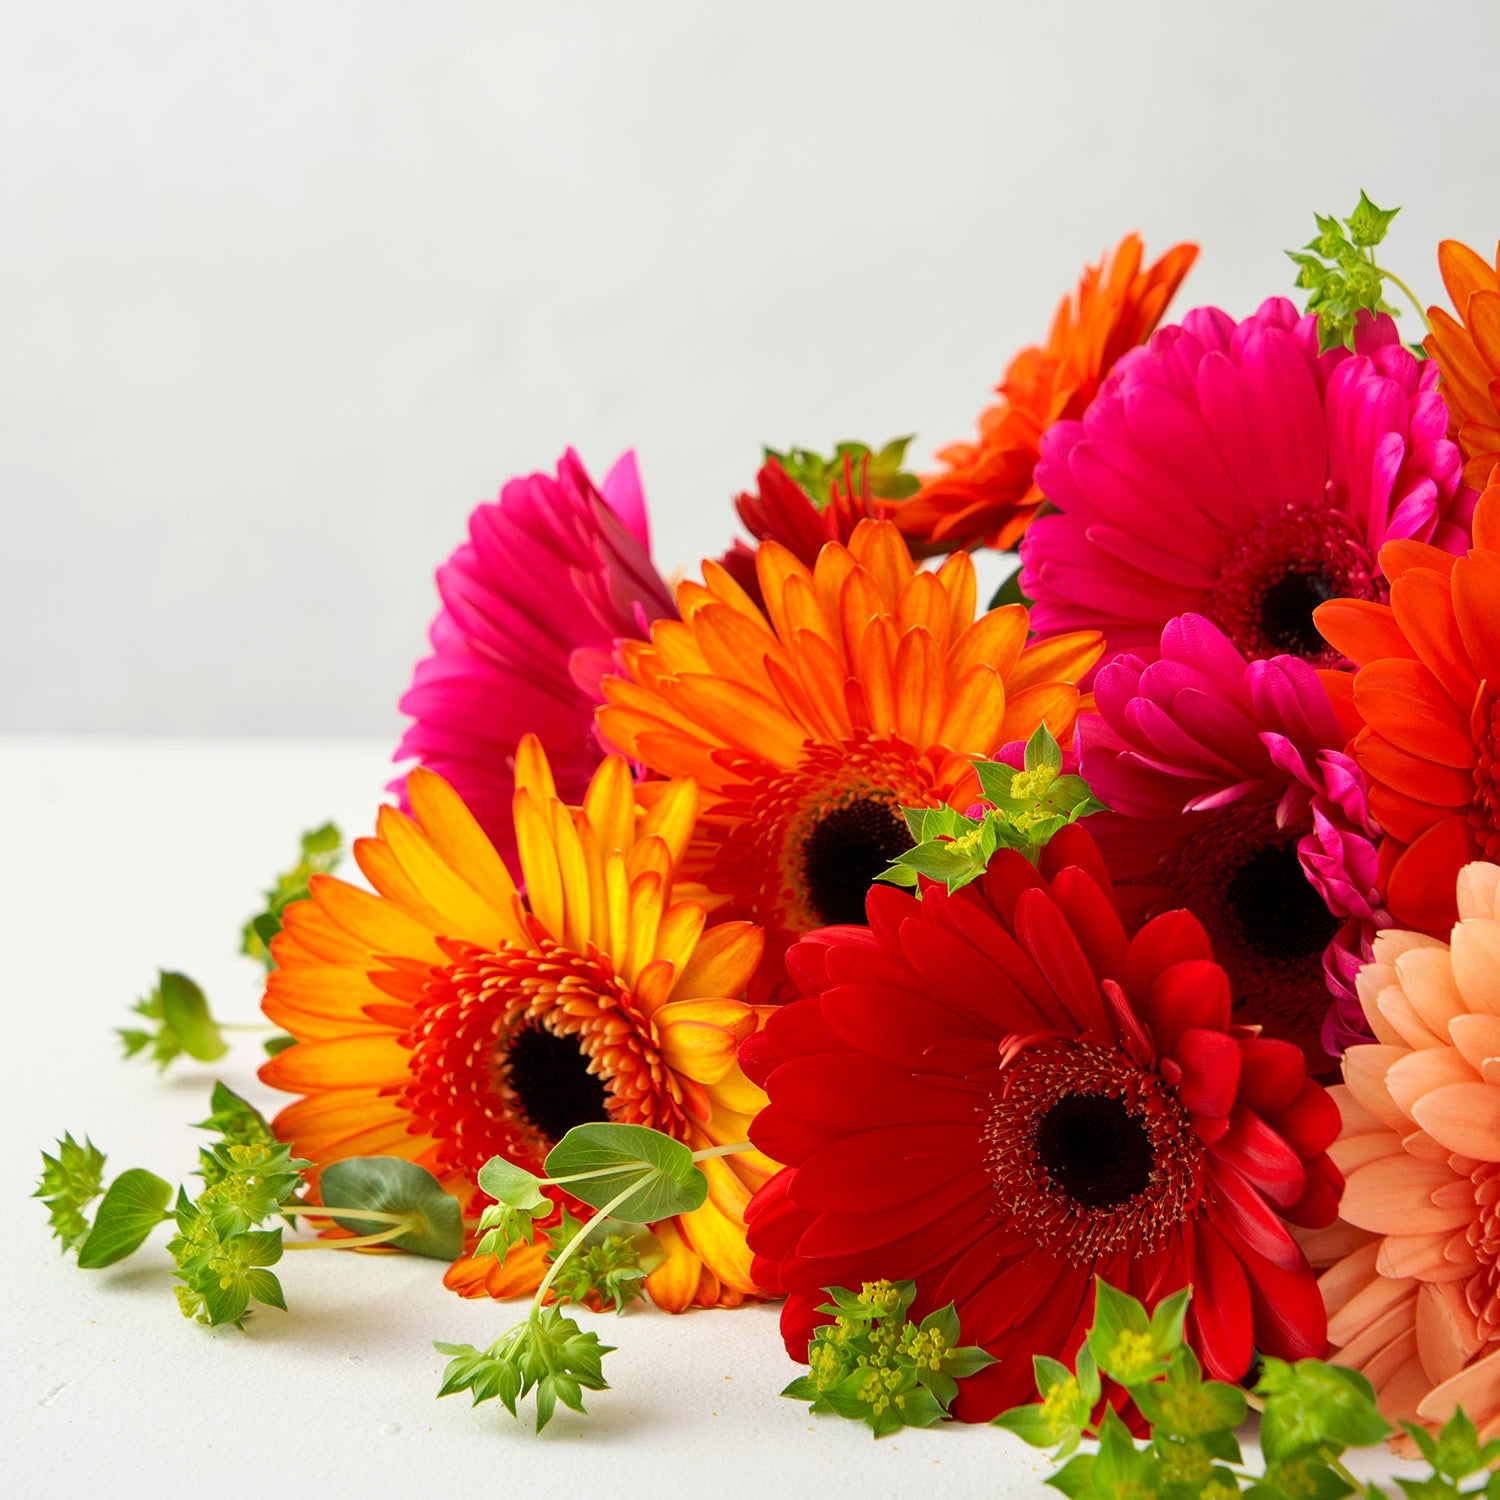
pixel 672 1285
pixel 532 771
pixel 699 1038
pixel 722 963
pixel 609 804
pixel 458 839
pixel 544 887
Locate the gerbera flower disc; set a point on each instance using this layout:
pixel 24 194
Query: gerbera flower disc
pixel 986 494
pixel 554 573
pixel 866 685
pixel 1424 712
pixel 445 1020
pixel 1466 349
pixel 1229 470
pixel 1232 796
pixel 1416 1306
pixel 999 1095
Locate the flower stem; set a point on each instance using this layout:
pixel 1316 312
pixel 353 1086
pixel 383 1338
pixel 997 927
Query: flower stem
pixel 244 1026
pixel 1411 296
pixel 731 1150
pixel 375 1215
pixel 361 1242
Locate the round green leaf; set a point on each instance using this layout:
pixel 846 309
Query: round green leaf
pixel 134 1205
pixel 666 1180
pixel 389 1184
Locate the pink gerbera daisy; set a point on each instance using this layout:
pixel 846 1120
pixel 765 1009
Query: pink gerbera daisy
pixel 1233 471
pixel 1231 796
pixel 554 574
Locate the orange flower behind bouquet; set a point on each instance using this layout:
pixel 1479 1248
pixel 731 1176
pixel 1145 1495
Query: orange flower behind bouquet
pixel 1467 351
pixel 986 495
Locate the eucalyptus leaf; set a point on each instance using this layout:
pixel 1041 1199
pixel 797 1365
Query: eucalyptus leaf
pixel 132 1206
pixel 390 1184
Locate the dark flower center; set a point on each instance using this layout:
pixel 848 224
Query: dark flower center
pixel 1286 613
pixel 550 1078
pixel 1276 908
pixel 848 847
pixel 1273 577
pixel 1095 1150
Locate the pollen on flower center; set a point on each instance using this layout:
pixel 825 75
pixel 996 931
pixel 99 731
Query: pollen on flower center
pixel 550 1077
pixel 845 850
pixel 1089 1152
pixel 1272 579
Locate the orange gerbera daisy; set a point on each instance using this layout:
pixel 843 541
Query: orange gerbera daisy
pixel 1467 351
pixel 1424 712
pixel 1414 1303
pixel 866 685
pixel 986 495
pixel 445 1020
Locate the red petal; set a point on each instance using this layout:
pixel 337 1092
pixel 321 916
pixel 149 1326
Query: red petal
pixel 1252 1147
pixel 1167 939
pixel 1240 1212
pixel 1092 916
pixel 1311 1124
pixel 1319 1204
pixel 1074 847
pixel 1187 995
pixel 1046 936
pixel 1220 1323
pixel 1271 1074
pixel 879 1169
pixel 1290 1320
pixel 1210 1063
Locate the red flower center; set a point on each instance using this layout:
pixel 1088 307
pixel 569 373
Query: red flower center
pixel 1089 1152
pixel 1273 577
pixel 1484 812
pixel 1240 876
pixel 511 1049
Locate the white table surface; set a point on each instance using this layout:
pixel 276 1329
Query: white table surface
pixel 122 856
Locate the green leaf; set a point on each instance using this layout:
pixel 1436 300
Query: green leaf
pixel 185 1013
pixel 390 1184
pixel 1009 592
pixel 1042 750
pixel 1458 1452
pixel 507 1183
pixel 598 1161
pixel 236 1119
pixel 69 1182
pixel 134 1204
pixel 882 471
pixel 276 1045
pixel 1311 1403
pixel 1368 224
pixel 1075 1478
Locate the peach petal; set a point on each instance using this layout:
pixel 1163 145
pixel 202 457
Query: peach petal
pixel 1387 1367
pixel 1379 1334
pixel 1394 1196
pixel 1371 1303
pixel 1422 1146
pixel 1476 964
pixel 1479 890
pixel 1364 1072
pixel 1396 1020
pixel 1334 1242
pixel 1463 1117
pixel 1426 975
pixel 1350 1152
pixel 1476 1037
pixel 1392 942
pixel 1419 1073
pixel 1447 1334
pixel 1348 1277
pixel 1423 1256
pixel 1357 1119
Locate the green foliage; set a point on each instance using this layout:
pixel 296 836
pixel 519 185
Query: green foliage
pixel 1338 270
pixel 1312 1413
pixel 70 1181
pixel 610 1267
pixel 321 850
pixel 132 1206
pixel 873 1365
pixel 519 1200
pixel 1025 809
pixel 181 1024
pixel 880 469
pixel 599 1161
pixel 391 1185
pixel 547 1353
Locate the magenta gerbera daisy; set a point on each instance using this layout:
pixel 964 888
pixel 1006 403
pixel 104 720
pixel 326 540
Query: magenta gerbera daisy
pixel 1231 796
pixel 554 574
pixel 1232 471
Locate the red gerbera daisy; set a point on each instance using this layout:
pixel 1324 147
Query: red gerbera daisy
pixel 999 1095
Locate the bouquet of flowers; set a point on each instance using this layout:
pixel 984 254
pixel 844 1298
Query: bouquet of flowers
pixel 1081 1009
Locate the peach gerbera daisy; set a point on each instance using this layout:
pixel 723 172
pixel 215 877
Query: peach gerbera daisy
pixel 1416 1307
pixel 866 685
pixel 1424 712
pixel 446 1020
pixel 986 494
pixel 1467 352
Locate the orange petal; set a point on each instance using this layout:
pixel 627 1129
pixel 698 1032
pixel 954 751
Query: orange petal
pixel 351 1062
pixel 699 1038
pixel 1361 630
pixel 673 1284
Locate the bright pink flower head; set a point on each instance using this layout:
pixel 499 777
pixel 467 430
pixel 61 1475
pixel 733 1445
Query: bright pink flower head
pixel 1231 795
pixel 1231 471
pixel 554 574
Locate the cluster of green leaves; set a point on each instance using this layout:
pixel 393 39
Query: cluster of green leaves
pixel 881 469
pixel 631 1176
pixel 181 1023
pixel 1024 809
pixel 321 850
pixel 1311 1414
pixel 222 1247
pixel 1338 270
pixel 872 1364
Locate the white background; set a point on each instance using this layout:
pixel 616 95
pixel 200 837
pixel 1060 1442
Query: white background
pixel 286 288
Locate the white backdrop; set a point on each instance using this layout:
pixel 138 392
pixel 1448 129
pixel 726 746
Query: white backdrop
pixel 286 288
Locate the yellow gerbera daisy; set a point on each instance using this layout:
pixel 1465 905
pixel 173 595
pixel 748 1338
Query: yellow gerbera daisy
pixel 446 1020
pixel 865 685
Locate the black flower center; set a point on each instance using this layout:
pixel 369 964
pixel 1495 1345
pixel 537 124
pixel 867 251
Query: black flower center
pixel 847 848
pixel 1286 612
pixel 550 1078
pixel 1095 1150
pixel 1278 912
